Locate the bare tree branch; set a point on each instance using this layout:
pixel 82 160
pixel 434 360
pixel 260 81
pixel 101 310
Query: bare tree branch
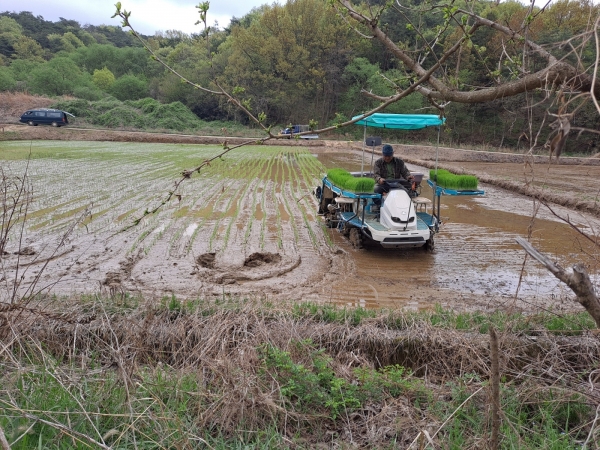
pixel 578 280
pixel 556 72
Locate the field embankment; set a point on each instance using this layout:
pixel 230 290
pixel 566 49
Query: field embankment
pixel 119 373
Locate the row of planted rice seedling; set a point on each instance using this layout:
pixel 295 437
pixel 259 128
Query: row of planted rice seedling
pixel 254 197
pixel 70 181
pixel 271 178
pixel 300 192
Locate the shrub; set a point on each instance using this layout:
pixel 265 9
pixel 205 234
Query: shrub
pixel 88 94
pixel 145 113
pixel 121 116
pixel 313 386
pixel 129 87
pixel 79 107
pixel 104 105
pixel 147 104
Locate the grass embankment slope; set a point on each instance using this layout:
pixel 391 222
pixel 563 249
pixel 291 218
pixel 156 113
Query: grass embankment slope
pixel 118 373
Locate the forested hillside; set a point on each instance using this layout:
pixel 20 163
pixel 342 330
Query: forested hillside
pixel 301 61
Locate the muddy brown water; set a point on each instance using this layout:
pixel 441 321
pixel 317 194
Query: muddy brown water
pixel 476 263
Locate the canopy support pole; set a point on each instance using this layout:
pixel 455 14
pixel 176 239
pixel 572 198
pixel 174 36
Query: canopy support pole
pixel 362 165
pixel 437 151
pixel 436 196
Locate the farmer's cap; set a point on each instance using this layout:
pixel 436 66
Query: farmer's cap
pixel 387 150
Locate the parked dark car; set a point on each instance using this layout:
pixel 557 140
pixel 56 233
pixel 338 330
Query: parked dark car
pixel 54 117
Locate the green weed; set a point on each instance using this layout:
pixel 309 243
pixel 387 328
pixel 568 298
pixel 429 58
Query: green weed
pixel 312 387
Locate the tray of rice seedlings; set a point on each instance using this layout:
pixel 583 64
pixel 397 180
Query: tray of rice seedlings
pixel 345 180
pixel 453 184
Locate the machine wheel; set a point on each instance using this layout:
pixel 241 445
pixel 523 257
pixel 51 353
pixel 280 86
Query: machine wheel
pixel 346 230
pixel 429 244
pixel 30 123
pixel 54 124
pixel 356 238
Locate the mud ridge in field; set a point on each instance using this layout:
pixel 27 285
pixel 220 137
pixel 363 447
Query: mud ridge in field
pixel 114 279
pixel 206 260
pixel 257 268
pixel 259 259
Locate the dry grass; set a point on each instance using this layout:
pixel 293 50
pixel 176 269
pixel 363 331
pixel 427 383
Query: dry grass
pixel 220 344
pixel 13 104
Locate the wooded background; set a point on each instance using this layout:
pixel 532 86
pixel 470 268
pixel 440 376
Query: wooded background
pixel 303 60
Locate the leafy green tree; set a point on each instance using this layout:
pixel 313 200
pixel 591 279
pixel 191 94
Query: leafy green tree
pixel 21 69
pixel 58 76
pixel 103 79
pixel 65 67
pixel 10 26
pixel 119 61
pixel 130 60
pixel 170 38
pixel 95 56
pixel 356 77
pixel 7 80
pixel 46 81
pixel 129 87
pixel 91 93
pixel 291 55
pixel 67 42
pixel 113 35
pixel 34 27
pixel 10 31
pixel 190 60
pixel 27 48
pixel 387 84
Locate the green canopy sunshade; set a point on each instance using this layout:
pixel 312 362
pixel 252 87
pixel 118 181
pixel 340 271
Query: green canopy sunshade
pixel 401 121
pixel 398 122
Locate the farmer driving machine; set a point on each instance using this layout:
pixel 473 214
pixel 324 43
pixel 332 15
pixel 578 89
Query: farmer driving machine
pixel 401 219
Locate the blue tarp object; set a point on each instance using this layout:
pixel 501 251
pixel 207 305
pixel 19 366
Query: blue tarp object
pixel 401 121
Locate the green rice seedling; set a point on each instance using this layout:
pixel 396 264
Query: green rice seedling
pixel 345 180
pixel 300 186
pixel 451 181
pixel 289 210
pixel 328 238
pixel 274 191
pixel 254 174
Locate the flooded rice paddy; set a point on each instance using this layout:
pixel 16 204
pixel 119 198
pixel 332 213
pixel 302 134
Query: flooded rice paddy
pixel 247 226
pixel 476 261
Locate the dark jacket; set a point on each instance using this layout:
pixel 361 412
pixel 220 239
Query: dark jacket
pixel 400 170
